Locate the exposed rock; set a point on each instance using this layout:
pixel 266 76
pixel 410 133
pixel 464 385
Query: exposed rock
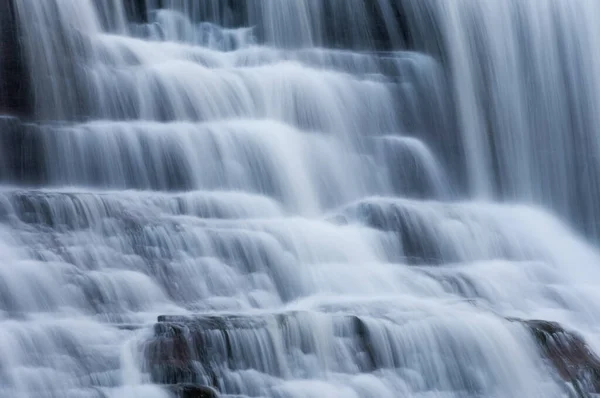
pixel 169 356
pixel 198 349
pixel 192 391
pixel 15 96
pixel 193 350
pixel 418 237
pixel 22 158
pixel 414 170
pixel 137 11
pixel 568 353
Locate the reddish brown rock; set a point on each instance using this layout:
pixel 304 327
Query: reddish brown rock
pixel 568 353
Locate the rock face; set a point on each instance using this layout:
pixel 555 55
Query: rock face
pixel 14 81
pixel 169 355
pixel 200 350
pixel 21 151
pixel 171 359
pixel 192 391
pixel 188 353
pixel 389 24
pixel 569 354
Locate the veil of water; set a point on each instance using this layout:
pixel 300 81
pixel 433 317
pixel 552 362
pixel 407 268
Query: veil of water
pixel 319 198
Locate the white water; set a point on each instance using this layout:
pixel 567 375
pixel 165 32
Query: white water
pixel 213 163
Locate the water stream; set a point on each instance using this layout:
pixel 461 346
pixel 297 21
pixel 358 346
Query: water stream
pixel 358 197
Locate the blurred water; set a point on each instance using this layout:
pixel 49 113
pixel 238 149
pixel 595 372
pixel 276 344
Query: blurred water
pixel 362 192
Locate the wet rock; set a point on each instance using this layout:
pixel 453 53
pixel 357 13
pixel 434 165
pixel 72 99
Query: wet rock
pixel 137 11
pixel 417 234
pixel 192 391
pixel 199 349
pixel 173 372
pixel 569 354
pixel 15 95
pixel 22 157
pixel 219 322
pixel 195 349
pixel 169 356
pixel 414 170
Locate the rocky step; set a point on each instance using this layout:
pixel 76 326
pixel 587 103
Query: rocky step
pixel 388 19
pixel 198 350
pixel 568 353
pixel 422 229
pixel 191 391
pixel 15 93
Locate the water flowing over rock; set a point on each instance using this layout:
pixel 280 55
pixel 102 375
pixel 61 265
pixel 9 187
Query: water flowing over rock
pixel 299 198
pixel 568 352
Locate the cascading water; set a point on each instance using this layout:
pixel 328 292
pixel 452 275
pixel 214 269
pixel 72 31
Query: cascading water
pixel 316 198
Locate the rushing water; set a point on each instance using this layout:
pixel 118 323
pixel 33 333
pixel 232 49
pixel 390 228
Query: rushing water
pixel 311 172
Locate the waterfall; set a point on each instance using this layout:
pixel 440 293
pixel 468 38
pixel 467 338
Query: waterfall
pixel 299 198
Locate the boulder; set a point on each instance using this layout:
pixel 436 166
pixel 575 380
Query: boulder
pixel 568 353
pixel 191 391
pixel 169 357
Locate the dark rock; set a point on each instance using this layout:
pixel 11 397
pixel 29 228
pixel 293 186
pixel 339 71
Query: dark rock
pixel 178 355
pixel 170 344
pixel 414 172
pixel 15 94
pixel 174 372
pixel 568 353
pixel 127 326
pixel 136 11
pixel 218 322
pixel 192 391
pixel 198 349
pixel 22 154
pixel 389 25
pixel 28 151
pixel 420 243
pixel 364 343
